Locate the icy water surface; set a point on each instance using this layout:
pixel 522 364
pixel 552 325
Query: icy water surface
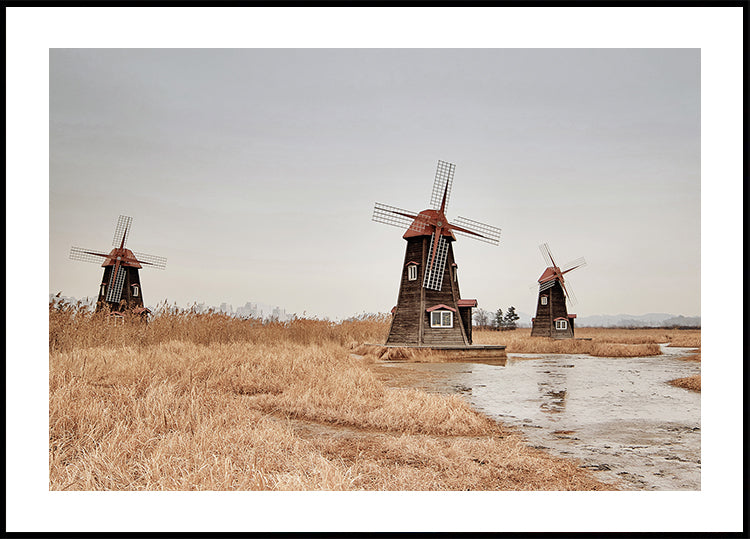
pixel 618 416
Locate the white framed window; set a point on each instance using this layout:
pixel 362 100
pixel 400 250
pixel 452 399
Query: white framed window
pixel 544 300
pixel 412 272
pixel 441 319
pixel 561 324
pixel 135 290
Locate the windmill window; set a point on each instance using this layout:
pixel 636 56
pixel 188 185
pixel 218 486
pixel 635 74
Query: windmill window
pixel 441 319
pixel 103 288
pixel 544 300
pixel 135 290
pixel 412 272
pixel 561 324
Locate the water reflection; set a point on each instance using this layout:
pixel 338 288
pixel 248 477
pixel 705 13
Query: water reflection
pixel 628 422
pixel 553 402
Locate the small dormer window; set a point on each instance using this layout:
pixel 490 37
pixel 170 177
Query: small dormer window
pixel 544 300
pixel 561 324
pixel 135 290
pixel 412 272
pixel 441 319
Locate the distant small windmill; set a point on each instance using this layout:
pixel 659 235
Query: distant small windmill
pixel 552 318
pixel 120 290
pixel 430 310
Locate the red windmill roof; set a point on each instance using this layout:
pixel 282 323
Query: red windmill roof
pixel 424 225
pixel 548 275
pixel 127 258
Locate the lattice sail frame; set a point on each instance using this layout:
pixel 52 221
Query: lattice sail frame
pixel 122 231
pixel 547 255
pixel 153 261
pixel 433 276
pixel 489 234
pixel 573 264
pixel 443 175
pixel 390 215
pixel 86 255
pixel 116 280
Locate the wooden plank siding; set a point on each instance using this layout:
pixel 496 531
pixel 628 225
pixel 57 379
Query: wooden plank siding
pixel 127 301
pixel 411 321
pixel 544 321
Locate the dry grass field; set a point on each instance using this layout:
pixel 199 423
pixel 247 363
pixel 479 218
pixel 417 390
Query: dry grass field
pixel 208 402
pixel 601 342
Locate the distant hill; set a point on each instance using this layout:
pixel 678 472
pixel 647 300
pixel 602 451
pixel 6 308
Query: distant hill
pixel 643 320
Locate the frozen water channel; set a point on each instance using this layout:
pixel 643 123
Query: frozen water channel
pixel 618 416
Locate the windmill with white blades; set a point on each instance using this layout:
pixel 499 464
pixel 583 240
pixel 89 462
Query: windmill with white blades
pixel 430 310
pixel 120 290
pixel 552 318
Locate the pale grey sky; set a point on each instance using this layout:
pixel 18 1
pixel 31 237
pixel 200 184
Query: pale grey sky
pixel 254 171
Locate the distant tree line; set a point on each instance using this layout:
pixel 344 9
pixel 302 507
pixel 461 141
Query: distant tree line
pixel 497 321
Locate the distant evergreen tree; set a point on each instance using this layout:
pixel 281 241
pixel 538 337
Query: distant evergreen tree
pixel 499 320
pixel 510 318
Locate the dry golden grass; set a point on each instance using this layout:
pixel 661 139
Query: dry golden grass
pixel 207 402
pixel 602 342
pixel 691 382
pixel 624 350
pixel 688 339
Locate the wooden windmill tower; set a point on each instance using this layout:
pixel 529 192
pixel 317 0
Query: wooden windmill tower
pixel 120 290
pixel 552 318
pixel 430 310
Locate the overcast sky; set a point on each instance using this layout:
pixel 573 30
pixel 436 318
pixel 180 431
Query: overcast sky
pixel 254 171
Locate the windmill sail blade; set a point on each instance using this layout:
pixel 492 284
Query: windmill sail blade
pixel 443 184
pixel 87 255
pixel 122 231
pixel 573 264
pixel 478 231
pixel 114 291
pixel 544 249
pixel 433 276
pixel 571 295
pixel 158 262
pixel 391 215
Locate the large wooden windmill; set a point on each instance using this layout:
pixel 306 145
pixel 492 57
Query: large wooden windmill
pixel 120 290
pixel 552 318
pixel 430 310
